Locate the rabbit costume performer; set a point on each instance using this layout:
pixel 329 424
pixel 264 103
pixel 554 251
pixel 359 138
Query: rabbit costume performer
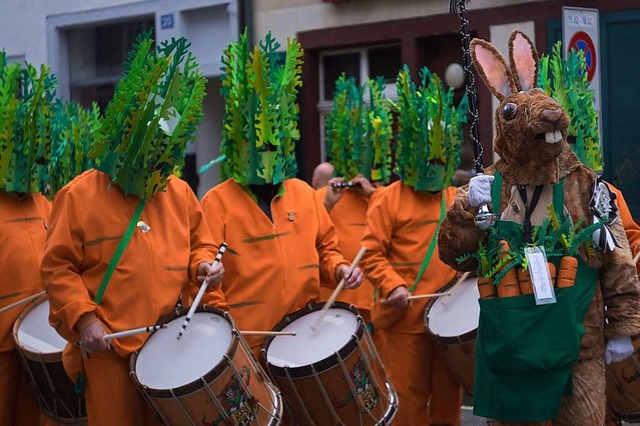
pixel 543 362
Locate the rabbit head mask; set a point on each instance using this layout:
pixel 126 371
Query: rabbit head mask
pixel 531 127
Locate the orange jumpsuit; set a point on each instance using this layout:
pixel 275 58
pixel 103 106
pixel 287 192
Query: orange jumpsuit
pixel 400 225
pixel 631 228
pixel 23 229
pixel 272 268
pixel 348 217
pixel 88 220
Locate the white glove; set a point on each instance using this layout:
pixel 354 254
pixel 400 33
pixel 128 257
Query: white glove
pixel 618 348
pixel 480 190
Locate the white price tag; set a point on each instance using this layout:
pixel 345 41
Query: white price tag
pixel 539 271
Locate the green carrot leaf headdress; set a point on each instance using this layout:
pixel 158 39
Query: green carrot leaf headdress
pixel 154 113
pixel 359 134
pixel 566 81
pixel 26 100
pixel 429 132
pixel 260 111
pixel 73 132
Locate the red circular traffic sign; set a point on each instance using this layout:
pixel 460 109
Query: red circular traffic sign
pixel 582 41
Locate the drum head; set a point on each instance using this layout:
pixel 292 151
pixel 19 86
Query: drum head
pixel 458 314
pixel 164 362
pixel 307 347
pixel 36 335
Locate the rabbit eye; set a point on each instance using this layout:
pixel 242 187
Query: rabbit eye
pixel 509 111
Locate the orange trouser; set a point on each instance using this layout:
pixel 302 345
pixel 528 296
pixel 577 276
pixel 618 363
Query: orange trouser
pixel 427 392
pixel 18 405
pixel 111 396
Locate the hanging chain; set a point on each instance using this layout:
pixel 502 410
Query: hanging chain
pixel 459 8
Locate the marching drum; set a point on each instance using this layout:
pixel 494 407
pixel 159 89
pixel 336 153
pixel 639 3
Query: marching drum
pixel 209 377
pixel 332 376
pixel 453 322
pixel 40 348
pixel 623 386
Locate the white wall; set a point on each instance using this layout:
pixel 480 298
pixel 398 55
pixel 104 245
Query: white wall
pixel 23 23
pixel 284 18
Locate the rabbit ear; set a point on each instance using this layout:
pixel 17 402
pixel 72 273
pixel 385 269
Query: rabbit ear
pixel 492 68
pixel 523 59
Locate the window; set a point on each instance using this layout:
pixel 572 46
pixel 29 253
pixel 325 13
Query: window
pixel 95 58
pixel 361 63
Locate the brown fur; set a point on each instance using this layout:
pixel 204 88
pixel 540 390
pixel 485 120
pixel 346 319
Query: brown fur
pixel 525 160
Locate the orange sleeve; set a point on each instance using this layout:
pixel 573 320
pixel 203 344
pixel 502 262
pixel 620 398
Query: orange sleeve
pixel 631 228
pixel 203 249
pixel 327 245
pixel 377 239
pixel 211 211
pixel 60 271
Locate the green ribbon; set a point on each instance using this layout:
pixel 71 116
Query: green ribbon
pixel 124 242
pixel 432 247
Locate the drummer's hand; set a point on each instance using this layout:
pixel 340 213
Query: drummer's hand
pixel 398 297
pixel 364 186
pixel 353 280
pixel 92 333
pixel 213 274
pixel 333 195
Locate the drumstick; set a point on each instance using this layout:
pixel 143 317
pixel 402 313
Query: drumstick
pixel 22 302
pixel 428 296
pixel 635 259
pixel 338 289
pixel 462 278
pixel 203 288
pixel 131 332
pixel 134 331
pixel 268 333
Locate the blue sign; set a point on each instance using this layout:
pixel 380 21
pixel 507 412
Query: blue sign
pixel 166 21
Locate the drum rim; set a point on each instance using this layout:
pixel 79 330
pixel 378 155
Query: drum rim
pixel 209 377
pixel 34 356
pixel 465 338
pixel 318 366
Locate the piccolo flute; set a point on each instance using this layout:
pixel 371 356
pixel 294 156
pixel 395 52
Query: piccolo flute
pixel 345 184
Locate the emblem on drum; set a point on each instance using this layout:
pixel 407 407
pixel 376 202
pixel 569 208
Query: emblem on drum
pixel 365 390
pixel 235 401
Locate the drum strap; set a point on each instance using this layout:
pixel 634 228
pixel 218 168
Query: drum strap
pixel 124 242
pixel 432 246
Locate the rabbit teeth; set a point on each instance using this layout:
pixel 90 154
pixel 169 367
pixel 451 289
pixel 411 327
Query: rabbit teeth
pixel 553 137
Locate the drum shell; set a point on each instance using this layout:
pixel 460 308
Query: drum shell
pixel 194 402
pixel 63 403
pixel 458 352
pixel 326 384
pixel 623 387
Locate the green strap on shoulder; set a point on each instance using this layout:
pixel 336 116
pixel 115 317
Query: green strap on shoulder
pixel 432 246
pixel 496 191
pixel 124 242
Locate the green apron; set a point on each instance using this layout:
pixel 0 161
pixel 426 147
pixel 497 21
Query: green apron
pixel 524 352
